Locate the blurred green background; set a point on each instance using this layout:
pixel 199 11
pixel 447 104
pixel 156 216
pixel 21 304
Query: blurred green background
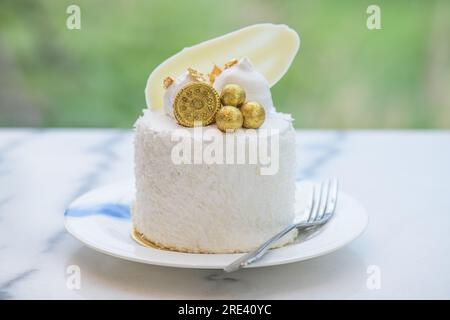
pixel 345 75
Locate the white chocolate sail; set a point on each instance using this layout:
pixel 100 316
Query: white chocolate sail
pixel 271 49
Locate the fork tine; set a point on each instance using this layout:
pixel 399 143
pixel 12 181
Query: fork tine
pixel 313 203
pixel 317 202
pixel 309 207
pixel 332 201
pixel 325 199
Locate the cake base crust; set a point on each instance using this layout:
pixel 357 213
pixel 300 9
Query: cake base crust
pixel 143 241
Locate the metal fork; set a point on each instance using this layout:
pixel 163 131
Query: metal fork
pixel 320 209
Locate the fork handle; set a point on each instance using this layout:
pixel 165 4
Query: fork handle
pixel 259 252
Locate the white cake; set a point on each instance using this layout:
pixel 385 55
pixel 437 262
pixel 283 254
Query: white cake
pixel 205 207
pixel 214 208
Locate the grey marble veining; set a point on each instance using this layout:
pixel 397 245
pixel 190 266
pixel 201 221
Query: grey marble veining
pixel 5 200
pixel 401 177
pixel 5 286
pixel 9 142
pixel 105 149
pixel 323 151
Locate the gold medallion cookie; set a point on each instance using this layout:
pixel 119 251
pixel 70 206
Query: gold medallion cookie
pixel 197 102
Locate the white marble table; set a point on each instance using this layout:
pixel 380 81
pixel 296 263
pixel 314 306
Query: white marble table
pixel 402 177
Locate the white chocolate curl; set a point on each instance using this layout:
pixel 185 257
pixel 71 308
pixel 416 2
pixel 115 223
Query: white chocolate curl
pixel 270 47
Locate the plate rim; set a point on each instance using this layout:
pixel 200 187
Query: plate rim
pixel 119 253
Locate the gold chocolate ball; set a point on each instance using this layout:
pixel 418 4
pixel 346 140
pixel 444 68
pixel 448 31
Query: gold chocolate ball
pixel 232 95
pixel 254 115
pixel 229 118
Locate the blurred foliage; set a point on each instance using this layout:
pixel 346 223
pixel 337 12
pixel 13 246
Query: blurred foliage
pixel 345 75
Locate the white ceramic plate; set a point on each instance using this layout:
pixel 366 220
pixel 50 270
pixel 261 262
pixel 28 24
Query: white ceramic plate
pixel 101 220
